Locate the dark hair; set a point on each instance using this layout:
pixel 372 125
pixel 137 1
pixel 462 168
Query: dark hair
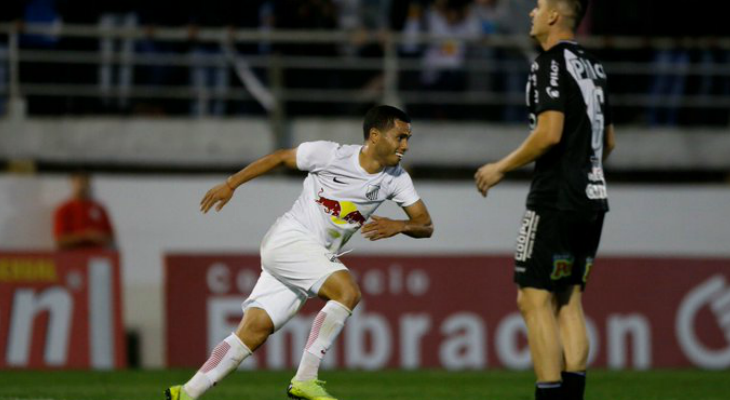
pixel 578 8
pixel 382 118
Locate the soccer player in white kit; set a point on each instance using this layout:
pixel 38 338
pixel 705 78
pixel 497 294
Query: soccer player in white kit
pixel 299 254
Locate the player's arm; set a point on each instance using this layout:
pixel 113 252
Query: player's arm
pixel 67 241
pixel 609 142
pixel 418 224
pixel 222 193
pixel 547 133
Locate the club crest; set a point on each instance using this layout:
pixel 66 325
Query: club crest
pixel 372 192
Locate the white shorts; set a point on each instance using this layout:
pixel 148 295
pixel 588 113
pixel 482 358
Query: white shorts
pixel 294 267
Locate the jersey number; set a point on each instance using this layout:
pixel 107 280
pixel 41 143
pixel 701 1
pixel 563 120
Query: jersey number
pixel 597 119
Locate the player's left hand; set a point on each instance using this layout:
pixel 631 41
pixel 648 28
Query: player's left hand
pixel 486 177
pixel 381 228
pixel 219 194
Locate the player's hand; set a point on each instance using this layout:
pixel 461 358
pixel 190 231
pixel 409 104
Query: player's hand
pixel 96 236
pixel 381 228
pixel 219 194
pixel 486 177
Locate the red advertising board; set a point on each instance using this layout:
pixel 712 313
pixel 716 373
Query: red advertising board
pixel 460 313
pixel 60 310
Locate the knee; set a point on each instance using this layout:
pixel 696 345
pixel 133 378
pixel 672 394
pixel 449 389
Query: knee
pixel 254 332
pixel 522 303
pixel 254 336
pixel 347 295
pixel 340 287
pixel 527 303
pixel 350 297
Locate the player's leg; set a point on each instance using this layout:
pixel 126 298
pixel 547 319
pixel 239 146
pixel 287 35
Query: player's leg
pixel 303 264
pixel 584 235
pixel 537 307
pixel 342 288
pixel 574 337
pixel 253 330
pixel 540 263
pixel 342 295
pixel 270 305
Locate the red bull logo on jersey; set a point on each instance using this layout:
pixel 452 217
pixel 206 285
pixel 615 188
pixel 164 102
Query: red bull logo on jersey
pixel 342 212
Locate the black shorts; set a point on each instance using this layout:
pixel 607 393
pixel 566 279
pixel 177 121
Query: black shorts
pixel 555 249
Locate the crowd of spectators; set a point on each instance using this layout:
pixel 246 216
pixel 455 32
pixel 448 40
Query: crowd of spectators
pixel 444 64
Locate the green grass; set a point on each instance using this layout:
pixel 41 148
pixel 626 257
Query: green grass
pixel 390 385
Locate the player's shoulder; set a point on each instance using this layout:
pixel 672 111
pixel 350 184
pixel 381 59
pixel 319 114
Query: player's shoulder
pixel 574 49
pixel 555 53
pixel 321 144
pixel 396 171
pixel 324 148
pixel 547 62
pixel 343 152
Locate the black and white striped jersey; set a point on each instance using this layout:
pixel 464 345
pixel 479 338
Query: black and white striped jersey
pixel 569 176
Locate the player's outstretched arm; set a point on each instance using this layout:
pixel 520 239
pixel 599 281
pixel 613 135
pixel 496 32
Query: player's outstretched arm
pixel 547 133
pixel 418 225
pixel 220 194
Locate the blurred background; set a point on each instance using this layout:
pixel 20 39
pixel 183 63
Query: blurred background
pixel 154 102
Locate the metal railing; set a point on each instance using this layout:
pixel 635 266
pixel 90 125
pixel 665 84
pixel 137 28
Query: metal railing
pixel 393 72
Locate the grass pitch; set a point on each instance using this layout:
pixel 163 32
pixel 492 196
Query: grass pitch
pixel 391 385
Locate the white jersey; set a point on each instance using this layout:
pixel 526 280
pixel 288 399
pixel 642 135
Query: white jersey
pixel 339 195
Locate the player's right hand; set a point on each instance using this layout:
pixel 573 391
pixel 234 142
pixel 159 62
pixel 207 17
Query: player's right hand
pixel 486 177
pixel 219 194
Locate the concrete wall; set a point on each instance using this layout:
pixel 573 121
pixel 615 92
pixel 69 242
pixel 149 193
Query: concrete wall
pixel 155 215
pixel 226 142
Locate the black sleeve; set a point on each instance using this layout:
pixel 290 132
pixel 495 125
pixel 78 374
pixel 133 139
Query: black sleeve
pixel 550 86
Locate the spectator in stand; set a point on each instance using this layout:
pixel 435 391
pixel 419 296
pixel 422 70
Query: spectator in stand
pixel 367 22
pixel 44 13
pixel 670 69
pixel 317 15
pixel 444 61
pixel 667 88
pixel 484 56
pixel 514 15
pixel 154 15
pixel 116 77
pixel 79 12
pixel 210 72
pixel 713 76
pixel 81 222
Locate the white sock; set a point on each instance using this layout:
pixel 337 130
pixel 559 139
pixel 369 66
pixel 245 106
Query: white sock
pixel 225 358
pixel 327 325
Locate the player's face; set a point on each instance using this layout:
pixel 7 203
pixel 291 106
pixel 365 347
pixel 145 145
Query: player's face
pixel 539 16
pixel 394 143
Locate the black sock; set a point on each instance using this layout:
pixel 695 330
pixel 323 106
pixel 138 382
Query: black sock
pixel 548 391
pixel 574 385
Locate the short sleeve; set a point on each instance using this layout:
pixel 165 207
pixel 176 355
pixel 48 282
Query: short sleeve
pixel 550 85
pixel 404 193
pixel 314 156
